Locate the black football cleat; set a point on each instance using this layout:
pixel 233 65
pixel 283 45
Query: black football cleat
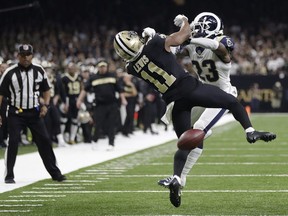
pixel 252 137
pixel 59 178
pixel 10 181
pixel 175 191
pixel 165 182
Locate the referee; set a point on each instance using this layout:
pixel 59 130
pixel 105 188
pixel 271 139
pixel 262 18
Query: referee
pixel 22 84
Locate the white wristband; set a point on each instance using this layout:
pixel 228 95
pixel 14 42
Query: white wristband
pixel 206 43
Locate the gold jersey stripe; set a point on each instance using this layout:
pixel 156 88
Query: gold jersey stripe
pixel 103 81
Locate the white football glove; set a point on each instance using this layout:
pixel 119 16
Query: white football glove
pixel 178 21
pixel 192 25
pixel 148 32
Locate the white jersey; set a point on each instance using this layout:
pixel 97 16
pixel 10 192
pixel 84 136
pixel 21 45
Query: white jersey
pixel 210 68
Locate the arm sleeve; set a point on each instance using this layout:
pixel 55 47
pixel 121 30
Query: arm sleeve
pixel 228 43
pixel 206 43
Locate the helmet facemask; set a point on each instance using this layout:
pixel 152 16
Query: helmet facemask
pixel 128 45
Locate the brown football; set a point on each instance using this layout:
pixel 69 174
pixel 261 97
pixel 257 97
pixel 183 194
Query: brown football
pixel 190 139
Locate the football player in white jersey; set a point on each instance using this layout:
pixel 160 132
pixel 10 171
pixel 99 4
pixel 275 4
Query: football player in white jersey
pixel 210 53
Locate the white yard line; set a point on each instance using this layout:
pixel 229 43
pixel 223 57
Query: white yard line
pixel 224 163
pixel 195 175
pixel 29 167
pixel 27 200
pixel 25 205
pixel 153 191
pixel 15 211
pixel 38 195
pixel 245 155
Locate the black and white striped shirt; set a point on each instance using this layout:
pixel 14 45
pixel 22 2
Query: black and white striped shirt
pixel 22 86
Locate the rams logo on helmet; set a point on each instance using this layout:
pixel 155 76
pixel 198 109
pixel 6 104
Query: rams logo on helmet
pixel 207 24
pixel 128 45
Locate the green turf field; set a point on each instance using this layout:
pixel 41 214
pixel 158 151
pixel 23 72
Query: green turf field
pixel 232 177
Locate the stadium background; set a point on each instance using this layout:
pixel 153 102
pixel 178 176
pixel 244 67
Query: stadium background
pixel 256 18
pixel 133 13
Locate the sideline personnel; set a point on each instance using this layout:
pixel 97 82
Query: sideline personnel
pixel 22 84
pixel 105 85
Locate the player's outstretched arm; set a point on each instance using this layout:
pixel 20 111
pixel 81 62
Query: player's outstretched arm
pixel 182 35
pixel 218 48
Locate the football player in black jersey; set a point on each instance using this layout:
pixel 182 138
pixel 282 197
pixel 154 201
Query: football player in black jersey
pixel 72 82
pixel 150 59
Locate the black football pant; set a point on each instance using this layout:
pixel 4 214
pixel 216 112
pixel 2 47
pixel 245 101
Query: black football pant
pixel 105 116
pixel 52 121
pixel 149 115
pixel 128 126
pixel 31 119
pixel 3 128
pixel 208 96
pixel 203 95
pixel 87 130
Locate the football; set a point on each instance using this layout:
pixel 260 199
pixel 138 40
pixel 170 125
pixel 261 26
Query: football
pixel 190 139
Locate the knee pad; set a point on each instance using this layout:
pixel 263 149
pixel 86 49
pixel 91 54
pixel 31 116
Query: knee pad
pixel 63 120
pixel 74 121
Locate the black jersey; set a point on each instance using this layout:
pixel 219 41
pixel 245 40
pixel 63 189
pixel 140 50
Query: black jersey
pixel 158 67
pixel 57 87
pixel 104 86
pixel 72 86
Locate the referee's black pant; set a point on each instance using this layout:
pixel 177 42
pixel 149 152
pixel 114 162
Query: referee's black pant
pixel 30 118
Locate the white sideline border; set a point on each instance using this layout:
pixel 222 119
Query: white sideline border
pixel 29 168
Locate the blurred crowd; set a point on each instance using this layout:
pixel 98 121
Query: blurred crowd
pixel 262 50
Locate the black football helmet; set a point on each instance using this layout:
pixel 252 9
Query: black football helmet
pixel 207 24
